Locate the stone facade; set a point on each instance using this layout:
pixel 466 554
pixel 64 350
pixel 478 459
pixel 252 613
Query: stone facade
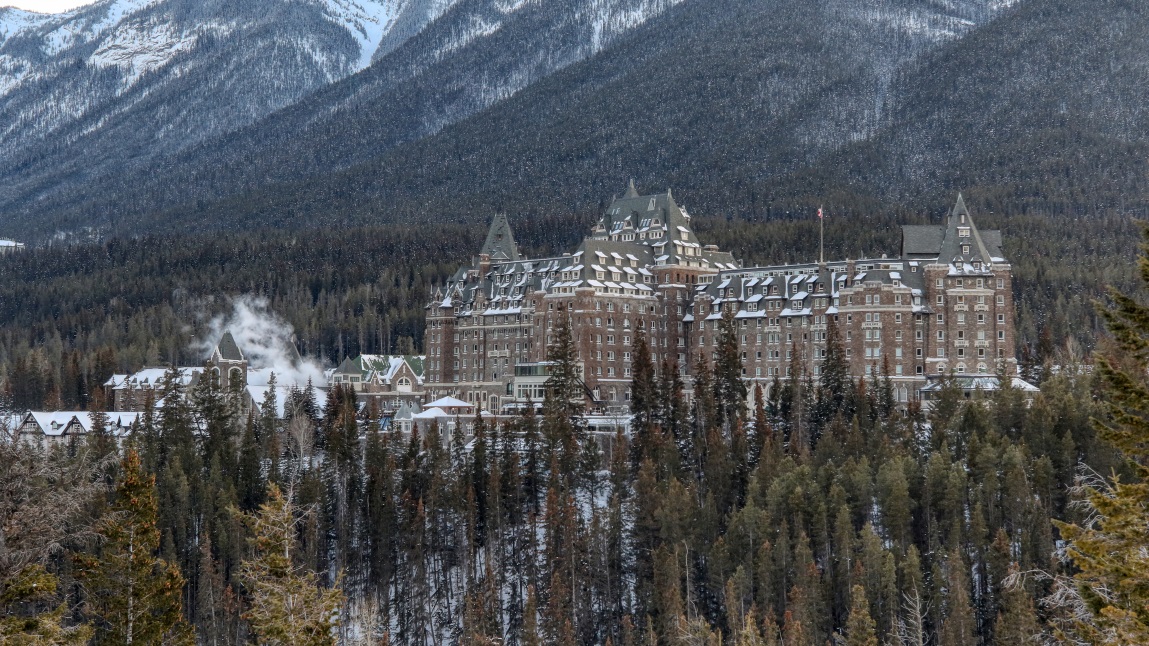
pixel 943 305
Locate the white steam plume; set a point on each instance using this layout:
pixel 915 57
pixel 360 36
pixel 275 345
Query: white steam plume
pixel 265 340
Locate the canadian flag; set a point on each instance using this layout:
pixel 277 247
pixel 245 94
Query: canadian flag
pixel 820 216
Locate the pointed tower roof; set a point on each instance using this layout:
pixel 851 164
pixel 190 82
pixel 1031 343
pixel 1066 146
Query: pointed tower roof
pixel 959 208
pixel 500 244
pixel 962 241
pixel 631 191
pixel 227 348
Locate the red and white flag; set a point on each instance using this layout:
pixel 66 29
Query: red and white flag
pixel 820 213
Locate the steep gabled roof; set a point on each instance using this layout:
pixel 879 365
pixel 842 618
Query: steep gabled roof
pixel 961 233
pixel 227 348
pixel 500 243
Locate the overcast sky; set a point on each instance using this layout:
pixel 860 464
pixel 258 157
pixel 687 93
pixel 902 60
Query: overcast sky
pixel 45 6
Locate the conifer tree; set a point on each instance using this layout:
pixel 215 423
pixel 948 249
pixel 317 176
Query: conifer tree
pixel 134 596
pixel 958 628
pixel 643 400
pixel 1016 621
pixel 564 425
pixel 1111 554
pixel 729 388
pixel 860 627
pixel 835 386
pixel 288 606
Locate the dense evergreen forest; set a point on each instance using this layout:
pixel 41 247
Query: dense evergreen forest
pixel 819 514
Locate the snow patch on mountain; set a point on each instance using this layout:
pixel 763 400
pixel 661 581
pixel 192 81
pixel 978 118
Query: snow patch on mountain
pixel 612 20
pixel 368 21
pixel 13 21
pixel 136 49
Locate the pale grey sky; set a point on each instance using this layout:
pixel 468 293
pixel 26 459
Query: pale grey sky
pixel 45 6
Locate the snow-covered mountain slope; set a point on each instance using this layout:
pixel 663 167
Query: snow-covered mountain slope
pixel 820 74
pixel 132 79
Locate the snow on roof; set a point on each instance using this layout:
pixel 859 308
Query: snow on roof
pixel 447 402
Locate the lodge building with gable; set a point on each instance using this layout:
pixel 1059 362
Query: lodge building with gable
pixel 942 306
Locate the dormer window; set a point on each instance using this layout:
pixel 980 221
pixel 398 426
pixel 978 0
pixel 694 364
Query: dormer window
pixel 963 232
pixel 965 248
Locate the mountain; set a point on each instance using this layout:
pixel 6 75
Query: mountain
pixel 755 109
pixel 748 108
pixel 113 86
pixel 437 62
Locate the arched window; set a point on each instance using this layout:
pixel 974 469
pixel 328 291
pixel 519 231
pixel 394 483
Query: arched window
pixel 403 385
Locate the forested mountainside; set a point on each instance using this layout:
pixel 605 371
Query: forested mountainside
pixel 746 108
pixel 427 74
pixel 107 88
pixel 729 118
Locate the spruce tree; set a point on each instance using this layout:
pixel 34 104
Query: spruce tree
pixel 1110 554
pixel 729 388
pixel 643 401
pixel 288 605
pixel 860 627
pixel 134 596
pixel 1016 621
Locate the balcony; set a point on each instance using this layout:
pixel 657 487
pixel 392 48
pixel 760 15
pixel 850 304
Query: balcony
pixel 981 307
pixel 961 307
pixel 499 354
pixel 961 344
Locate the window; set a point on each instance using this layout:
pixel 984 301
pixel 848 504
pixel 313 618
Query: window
pixel 941 335
pixel 898 319
pixel 942 352
pixel 941 318
pixel 1001 335
pixel 1001 283
pixel 941 300
pixel 1001 319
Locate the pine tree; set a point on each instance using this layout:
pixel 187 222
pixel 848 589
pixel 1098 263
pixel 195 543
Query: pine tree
pixel 1111 554
pixel 835 386
pixel 729 388
pixel 643 401
pixel 1017 621
pixel 530 634
pixel 134 595
pixel 860 627
pixel 35 588
pixel 288 606
pixel 958 627
pixel 564 425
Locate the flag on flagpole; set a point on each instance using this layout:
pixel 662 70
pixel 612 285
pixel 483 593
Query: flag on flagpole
pixel 820 217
